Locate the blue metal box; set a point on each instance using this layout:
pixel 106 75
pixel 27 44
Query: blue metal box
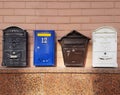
pixel 44 47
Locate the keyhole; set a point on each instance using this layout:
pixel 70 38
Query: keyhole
pixel 105 53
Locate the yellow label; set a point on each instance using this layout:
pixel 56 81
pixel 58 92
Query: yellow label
pixel 44 34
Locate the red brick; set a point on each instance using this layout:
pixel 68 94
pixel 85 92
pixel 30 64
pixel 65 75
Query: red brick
pixel 1 34
pixel 47 26
pixel 6 12
pixel 69 27
pixel 3 25
pixel 80 19
pixel 42 0
pixel 101 19
pixel 61 33
pixel 1 4
pixel 14 4
pixel 80 4
pixel 93 12
pixel 0 47
pixel 36 4
pixel 36 19
pixel 26 26
pixel 13 0
pixel 89 12
pixel 58 5
pixel 117 4
pixel 70 12
pixel 0 40
pixel 58 19
pixel 1 19
pixel 14 19
pixel 24 12
pixel 91 27
pixel 116 18
pixel 113 12
pixel 46 12
pixel 102 5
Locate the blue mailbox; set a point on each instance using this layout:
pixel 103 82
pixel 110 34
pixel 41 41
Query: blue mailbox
pixel 44 47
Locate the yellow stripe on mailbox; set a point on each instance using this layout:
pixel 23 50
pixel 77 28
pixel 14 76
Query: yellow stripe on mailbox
pixel 44 34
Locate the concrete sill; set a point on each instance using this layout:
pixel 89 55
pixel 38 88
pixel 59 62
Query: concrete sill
pixel 76 70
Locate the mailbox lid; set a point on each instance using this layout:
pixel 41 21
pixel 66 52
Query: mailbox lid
pixel 105 39
pixel 74 38
pixel 14 31
pixel 44 47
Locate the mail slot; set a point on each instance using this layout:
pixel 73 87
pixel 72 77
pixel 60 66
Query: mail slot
pixel 44 47
pixel 105 47
pixel 14 47
pixel 74 48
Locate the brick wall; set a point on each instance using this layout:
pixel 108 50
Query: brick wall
pixel 60 15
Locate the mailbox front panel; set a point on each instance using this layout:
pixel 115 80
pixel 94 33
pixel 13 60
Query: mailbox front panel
pixel 105 59
pixel 73 56
pixel 44 48
pixel 14 47
pixel 105 47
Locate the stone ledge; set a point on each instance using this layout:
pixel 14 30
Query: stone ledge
pixel 75 70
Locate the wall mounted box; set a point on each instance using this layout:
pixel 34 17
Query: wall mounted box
pixel 44 48
pixel 104 47
pixel 15 42
pixel 74 48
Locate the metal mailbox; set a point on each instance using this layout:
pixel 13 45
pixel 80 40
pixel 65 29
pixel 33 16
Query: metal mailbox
pixel 14 47
pixel 104 47
pixel 74 48
pixel 44 48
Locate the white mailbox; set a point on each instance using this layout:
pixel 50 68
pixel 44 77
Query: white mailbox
pixel 104 47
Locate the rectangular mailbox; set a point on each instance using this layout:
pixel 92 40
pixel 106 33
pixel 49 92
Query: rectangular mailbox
pixel 44 48
pixel 105 47
pixel 15 41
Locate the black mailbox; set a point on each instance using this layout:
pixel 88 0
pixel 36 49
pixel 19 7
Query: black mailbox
pixel 74 48
pixel 15 42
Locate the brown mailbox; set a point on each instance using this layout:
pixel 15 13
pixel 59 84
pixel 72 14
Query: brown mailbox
pixel 74 48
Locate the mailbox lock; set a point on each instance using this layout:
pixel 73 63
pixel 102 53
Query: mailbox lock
pixel 13 52
pixel 105 53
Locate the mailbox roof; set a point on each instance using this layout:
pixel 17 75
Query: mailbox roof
pixel 105 29
pixel 74 34
pixel 14 27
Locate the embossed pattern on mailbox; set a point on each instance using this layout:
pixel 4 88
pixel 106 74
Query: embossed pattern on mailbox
pixel 74 48
pixel 105 47
pixel 14 47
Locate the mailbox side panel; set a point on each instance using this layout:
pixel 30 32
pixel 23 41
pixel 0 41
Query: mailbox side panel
pixel 44 48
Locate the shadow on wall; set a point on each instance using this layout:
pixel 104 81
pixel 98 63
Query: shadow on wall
pixel 106 84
